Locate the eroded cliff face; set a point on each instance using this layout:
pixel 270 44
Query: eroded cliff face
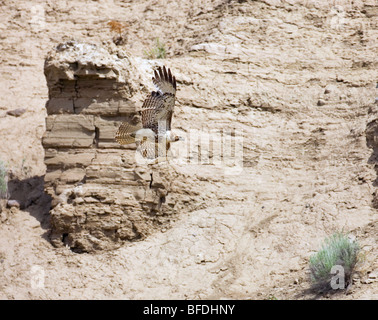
pixel 298 77
pixel 101 197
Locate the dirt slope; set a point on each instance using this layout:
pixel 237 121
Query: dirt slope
pixel 297 78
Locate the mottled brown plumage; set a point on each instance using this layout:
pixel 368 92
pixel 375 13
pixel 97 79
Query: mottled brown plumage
pixel 153 135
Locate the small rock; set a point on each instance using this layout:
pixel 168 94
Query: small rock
pixel 35 224
pixel 367 281
pixel 16 112
pixel 329 89
pixel 199 258
pixel 13 203
pixel 321 102
pixel 79 200
pixel 351 238
pixel 13 210
pixel 3 217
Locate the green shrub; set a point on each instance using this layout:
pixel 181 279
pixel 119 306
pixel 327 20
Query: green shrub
pixel 3 180
pixel 337 250
pixel 156 52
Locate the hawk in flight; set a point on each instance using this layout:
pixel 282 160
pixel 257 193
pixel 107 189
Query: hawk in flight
pixel 153 136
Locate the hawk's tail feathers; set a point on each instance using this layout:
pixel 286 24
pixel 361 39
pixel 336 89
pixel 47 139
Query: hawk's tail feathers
pixel 152 150
pixel 126 133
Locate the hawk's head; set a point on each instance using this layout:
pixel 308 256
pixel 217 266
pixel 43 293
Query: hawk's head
pixel 172 138
pixel 178 138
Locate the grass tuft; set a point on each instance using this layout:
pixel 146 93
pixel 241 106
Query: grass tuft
pixel 3 180
pixel 337 250
pixel 158 51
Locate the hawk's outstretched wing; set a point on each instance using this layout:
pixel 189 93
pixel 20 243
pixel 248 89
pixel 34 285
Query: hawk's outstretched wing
pixel 125 131
pixel 158 107
pixel 150 109
pixel 164 81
